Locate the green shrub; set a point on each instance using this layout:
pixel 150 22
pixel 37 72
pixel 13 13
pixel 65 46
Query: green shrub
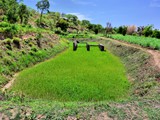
pixel 7 61
pixel 10 53
pixel 156 34
pixel 148 30
pixel 8 43
pixel 31 53
pixel 34 49
pixel 16 41
pixel 38 35
pixel 31 44
pixel 58 31
pixel 2 79
pixel 4 24
pixel 23 52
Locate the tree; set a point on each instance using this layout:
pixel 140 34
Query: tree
pixel 55 16
pixel 131 29
pixel 140 30
pixel 108 29
pixel 63 24
pixel 148 30
pixel 99 27
pixel 9 8
pixel 72 18
pixel 86 23
pixel 156 34
pixel 43 5
pixel 23 13
pixel 122 30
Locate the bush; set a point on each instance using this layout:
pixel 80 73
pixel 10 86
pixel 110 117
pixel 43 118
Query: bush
pixel 9 30
pixel 16 41
pixel 34 49
pixel 58 31
pixel 7 41
pixel 31 44
pixel 156 34
pixel 4 24
pixel 148 31
pixel 63 24
pixel 122 30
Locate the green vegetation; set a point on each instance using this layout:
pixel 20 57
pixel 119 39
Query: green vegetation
pixel 76 76
pixel 136 107
pixel 146 31
pixel 28 37
pixel 142 41
pixel 43 5
pixel 82 35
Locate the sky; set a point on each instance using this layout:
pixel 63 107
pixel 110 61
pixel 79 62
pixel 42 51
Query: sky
pixel 117 12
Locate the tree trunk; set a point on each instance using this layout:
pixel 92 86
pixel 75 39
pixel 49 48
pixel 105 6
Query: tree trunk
pixel 21 19
pixel 41 17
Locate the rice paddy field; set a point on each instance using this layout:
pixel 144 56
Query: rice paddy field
pixel 153 43
pixel 75 76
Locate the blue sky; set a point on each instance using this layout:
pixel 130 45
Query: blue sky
pixel 118 12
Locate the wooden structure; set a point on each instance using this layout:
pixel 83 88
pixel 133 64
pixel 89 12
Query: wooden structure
pixel 75 46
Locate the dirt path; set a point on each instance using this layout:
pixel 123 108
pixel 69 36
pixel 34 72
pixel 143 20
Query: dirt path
pixel 10 83
pixel 154 53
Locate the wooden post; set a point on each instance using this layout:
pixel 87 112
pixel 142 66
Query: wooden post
pixel 75 45
pixel 101 47
pixel 88 47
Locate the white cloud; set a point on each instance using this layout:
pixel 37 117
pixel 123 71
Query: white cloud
pixel 155 3
pixel 81 16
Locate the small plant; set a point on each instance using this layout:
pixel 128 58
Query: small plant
pixel 23 52
pixel 8 43
pixel 38 39
pixel 16 41
pixel 34 49
pixel 31 44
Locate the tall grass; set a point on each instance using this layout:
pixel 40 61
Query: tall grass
pixel 153 43
pixel 75 76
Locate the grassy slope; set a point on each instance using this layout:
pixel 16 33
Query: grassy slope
pixel 80 75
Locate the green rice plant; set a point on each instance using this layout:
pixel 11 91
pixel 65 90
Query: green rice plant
pixel 75 76
pixel 153 43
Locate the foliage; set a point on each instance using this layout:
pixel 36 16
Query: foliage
pixel 43 5
pixel 63 24
pixel 148 30
pixel 156 34
pixel 86 23
pixel 17 61
pixel 23 13
pixel 72 18
pixel 16 41
pixel 122 30
pixel 143 41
